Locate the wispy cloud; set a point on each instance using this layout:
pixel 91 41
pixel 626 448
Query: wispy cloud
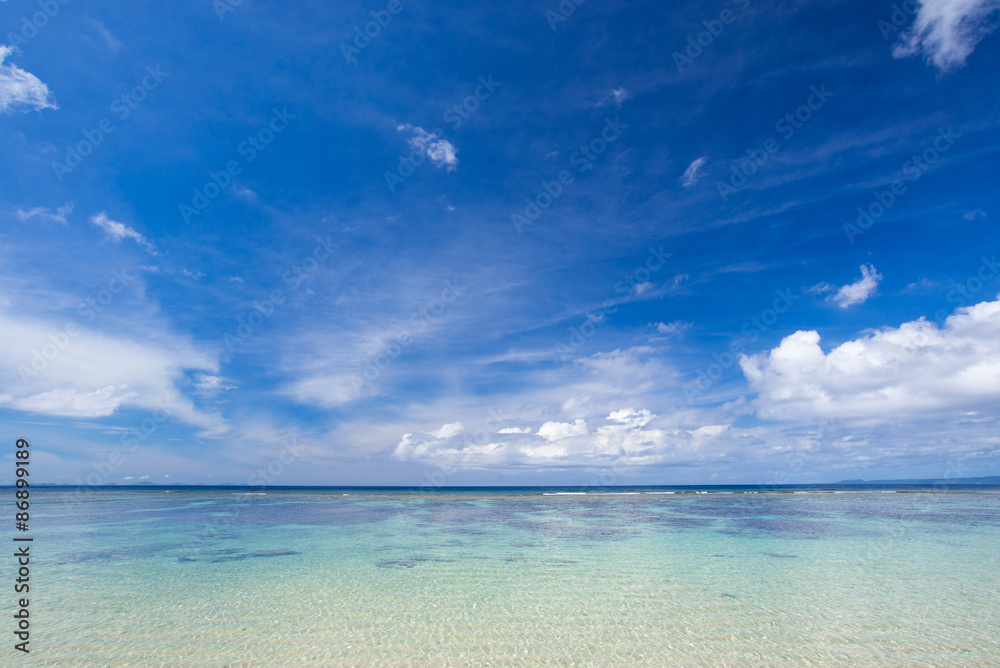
pixel 95 375
pixel 113 43
pixel 20 90
pixel 693 172
pixel 859 291
pixel 118 231
pixel 617 97
pixel 441 152
pixel 947 31
pixel 58 216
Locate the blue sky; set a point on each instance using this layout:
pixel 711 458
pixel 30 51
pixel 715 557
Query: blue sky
pixel 731 242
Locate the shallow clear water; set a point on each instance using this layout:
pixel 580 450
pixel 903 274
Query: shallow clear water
pixel 319 578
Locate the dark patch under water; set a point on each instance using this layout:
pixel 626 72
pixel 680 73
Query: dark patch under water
pixel 411 562
pixel 238 555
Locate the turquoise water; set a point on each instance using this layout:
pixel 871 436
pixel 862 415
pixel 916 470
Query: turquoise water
pixel 476 578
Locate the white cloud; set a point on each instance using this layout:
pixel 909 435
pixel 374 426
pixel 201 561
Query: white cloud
pixel 440 152
pixel 43 369
pixel 117 231
pixel 909 371
pixel 947 31
pixel 20 90
pixel 857 292
pixel 820 289
pixel 619 95
pixel 449 430
pixel 208 384
pixel 246 193
pixel 557 431
pixel 58 216
pixel 627 442
pixel 515 430
pixel 616 97
pixel 692 173
pixel 639 288
pixel 671 328
pixel 329 389
pixel 709 431
pixel 631 417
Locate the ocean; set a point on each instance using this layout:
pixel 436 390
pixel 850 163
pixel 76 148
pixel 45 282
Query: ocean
pixel 712 576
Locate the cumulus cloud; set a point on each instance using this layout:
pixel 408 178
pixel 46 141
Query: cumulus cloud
pixel 671 328
pixel 117 231
pixel 449 430
pixel 58 216
pixel 628 440
pixel 515 430
pixel 693 172
pixel 557 431
pixel 947 31
pixel 909 371
pixel 20 90
pixel 631 417
pixel 441 152
pixel 859 291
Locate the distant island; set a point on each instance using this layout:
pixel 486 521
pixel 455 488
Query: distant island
pixel 987 480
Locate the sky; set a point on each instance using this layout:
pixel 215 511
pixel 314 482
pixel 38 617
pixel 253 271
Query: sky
pixel 525 243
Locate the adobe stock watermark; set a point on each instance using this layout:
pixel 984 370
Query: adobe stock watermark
pixel 87 311
pixel 714 29
pixel 122 107
pixel 223 7
pixel 455 116
pixel 249 149
pixel 879 550
pixel 802 452
pixel 30 25
pixel 749 333
pixel 743 170
pixel 583 158
pixel 966 291
pixel 902 13
pixel 419 321
pixel 261 311
pixel 266 475
pixel 595 320
pixel 562 12
pixel 914 168
pixel 105 468
pixel 363 38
